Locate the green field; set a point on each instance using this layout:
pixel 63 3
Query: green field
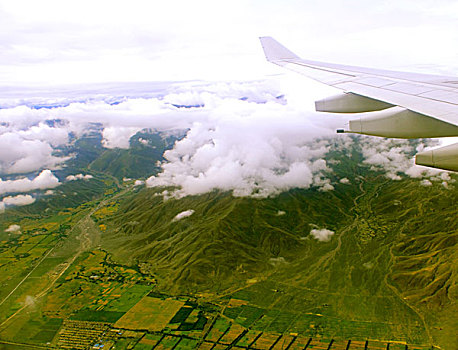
pixel 108 256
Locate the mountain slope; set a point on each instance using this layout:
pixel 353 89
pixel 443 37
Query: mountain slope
pixel 140 159
pixel 392 260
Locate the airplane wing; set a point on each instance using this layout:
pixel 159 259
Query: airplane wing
pixel 387 103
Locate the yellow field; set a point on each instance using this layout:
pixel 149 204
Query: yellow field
pixel 283 342
pixel 266 340
pixel 146 341
pixel 151 314
pixel 237 302
pixel 232 334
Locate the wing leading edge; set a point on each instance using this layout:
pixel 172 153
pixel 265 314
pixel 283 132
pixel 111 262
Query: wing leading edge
pixel 388 103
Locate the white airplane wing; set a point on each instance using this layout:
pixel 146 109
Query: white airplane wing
pixel 400 104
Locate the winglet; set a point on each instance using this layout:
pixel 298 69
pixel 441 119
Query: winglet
pixel 275 51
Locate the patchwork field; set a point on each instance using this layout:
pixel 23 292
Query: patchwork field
pixel 151 314
pixel 107 266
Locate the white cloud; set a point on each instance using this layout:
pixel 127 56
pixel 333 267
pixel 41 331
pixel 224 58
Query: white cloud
pixel 344 181
pixel 396 156
pixel 13 228
pixel 118 137
pixel 323 235
pixel 249 148
pixel 23 155
pixel 108 41
pixel 445 176
pixel 426 183
pixel 244 138
pixel 27 142
pixel 326 186
pixel 44 180
pixel 29 136
pixel 139 182
pixel 55 136
pixel 183 214
pixel 18 200
pixel 78 177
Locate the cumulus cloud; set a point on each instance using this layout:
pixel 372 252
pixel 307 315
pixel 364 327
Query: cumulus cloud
pixel 18 200
pixel 13 228
pixel 30 135
pixel 118 137
pixel 444 176
pixel 426 183
pixel 248 148
pixel 326 186
pixel 23 155
pixel 344 181
pixel 244 137
pixel 78 177
pixel 44 180
pixel 183 214
pixel 396 157
pixel 322 235
pixel 55 136
pixel 27 140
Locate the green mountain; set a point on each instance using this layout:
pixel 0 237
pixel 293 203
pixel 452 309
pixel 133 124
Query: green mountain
pixel 140 159
pixel 392 261
pixel 107 166
pixel 373 260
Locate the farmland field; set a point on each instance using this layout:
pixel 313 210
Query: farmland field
pixel 110 264
pixel 150 314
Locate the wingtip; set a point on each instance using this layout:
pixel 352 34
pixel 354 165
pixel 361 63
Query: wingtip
pixel 275 51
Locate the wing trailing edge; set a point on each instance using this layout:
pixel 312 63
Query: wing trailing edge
pixel 386 103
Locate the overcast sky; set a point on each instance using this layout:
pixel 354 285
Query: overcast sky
pixel 55 42
pixel 256 130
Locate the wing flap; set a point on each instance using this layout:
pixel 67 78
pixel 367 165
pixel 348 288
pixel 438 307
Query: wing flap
pixel 434 108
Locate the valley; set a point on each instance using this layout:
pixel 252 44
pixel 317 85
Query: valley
pixel 110 264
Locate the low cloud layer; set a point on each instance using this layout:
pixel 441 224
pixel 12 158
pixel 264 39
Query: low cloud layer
pixel 395 156
pixel 118 137
pixel 18 200
pixel 182 215
pixel 35 125
pixel 322 235
pixel 254 138
pixel 13 228
pixel 26 152
pixel 251 160
pixel 78 177
pixel 44 180
pixel 252 149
